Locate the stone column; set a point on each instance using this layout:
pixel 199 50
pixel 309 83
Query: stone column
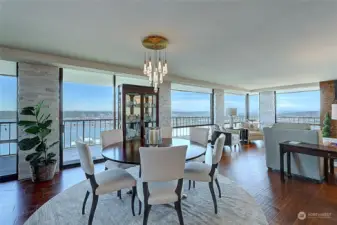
pixel 36 83
pixel 327 94
pixel 267 108
pixel 219 106
pixel 165 104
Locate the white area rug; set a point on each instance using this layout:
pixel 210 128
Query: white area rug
pixel 235 207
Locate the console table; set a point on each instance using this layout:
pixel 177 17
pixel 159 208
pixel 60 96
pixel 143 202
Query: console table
pixel 327 152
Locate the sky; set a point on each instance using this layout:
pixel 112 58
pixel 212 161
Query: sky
pixel 182 101
pixel 78 97
pixel 235 101
pixel 8 92
pixel 298 101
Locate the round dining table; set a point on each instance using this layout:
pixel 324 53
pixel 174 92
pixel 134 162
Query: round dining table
pixel 128 152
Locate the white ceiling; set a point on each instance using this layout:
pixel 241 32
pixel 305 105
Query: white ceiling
pixel 247 44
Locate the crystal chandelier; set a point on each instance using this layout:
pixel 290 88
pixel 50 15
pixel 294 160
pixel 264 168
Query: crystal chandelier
pixel 155 62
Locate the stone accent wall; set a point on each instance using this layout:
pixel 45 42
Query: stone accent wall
pixel 35 83
pixel 165 104
pixel 267 108
pixel 327 94
pixel 219 106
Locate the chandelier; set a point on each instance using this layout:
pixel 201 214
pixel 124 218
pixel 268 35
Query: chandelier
pixel 155 62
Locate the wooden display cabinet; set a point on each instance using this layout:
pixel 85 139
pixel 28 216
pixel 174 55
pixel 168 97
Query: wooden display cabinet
pixel 138 108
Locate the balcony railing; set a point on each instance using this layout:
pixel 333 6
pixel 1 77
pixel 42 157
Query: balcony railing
pixel 8 138
pixel 308 120
pixel 89 129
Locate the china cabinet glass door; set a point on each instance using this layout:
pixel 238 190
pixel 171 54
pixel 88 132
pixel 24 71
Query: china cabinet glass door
pixel 150 110
pixel 133 116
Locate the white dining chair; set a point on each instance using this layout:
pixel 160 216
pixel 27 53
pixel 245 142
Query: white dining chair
pixel 200 136
pixel 207 172
pixel 104 182
pixel 161 178
pixel 166 132
pixel 110 137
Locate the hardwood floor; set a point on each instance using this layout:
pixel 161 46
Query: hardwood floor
pixel 280 202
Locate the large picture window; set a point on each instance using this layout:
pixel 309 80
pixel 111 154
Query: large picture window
pixel 8 118
pixel 87 111
pixel 190 108
pixel 298 107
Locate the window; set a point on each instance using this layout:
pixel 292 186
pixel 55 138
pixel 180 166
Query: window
pixel 190 108
pixel 298 107
pixel 253 107
pixel 239 103
pixel 87 110
pixel 8 118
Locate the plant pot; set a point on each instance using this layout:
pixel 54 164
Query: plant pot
pixel 43 173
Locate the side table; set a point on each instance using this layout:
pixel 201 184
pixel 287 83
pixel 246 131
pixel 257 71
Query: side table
pixel 244 135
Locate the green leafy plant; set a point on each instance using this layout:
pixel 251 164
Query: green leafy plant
pixel 40 128
pixel 326 125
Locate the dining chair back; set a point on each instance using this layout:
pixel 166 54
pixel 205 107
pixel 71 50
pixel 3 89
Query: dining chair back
pixel 163 163
pixel 218 149
pixel 109 137
pixel 86 161
pixel 166 132
pixel 199 135
pixel 161 168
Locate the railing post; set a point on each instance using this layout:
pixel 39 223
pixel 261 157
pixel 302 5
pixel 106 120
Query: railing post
pixel 83 122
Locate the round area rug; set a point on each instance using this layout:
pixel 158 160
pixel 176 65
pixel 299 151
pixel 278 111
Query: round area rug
pixel 235 206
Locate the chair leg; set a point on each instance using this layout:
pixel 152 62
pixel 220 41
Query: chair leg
pixel 189 184
pixel 93 208
pixel 105 168
pixel 194 184
pixel 85 202
pixel 177 206
pixel 218 185
pixel 119 194
pixel 210 184
pixel 134 190
pixel 147 209
pixel 140 207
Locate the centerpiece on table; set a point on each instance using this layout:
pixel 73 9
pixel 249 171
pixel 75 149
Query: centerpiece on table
pixel 153 136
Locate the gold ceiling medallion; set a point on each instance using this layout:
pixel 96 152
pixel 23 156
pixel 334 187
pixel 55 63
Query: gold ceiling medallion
pixel 155 42
pixel 155 61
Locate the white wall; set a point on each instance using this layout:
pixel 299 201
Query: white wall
pixel 219 106
pixel 165 104
pixel 267 108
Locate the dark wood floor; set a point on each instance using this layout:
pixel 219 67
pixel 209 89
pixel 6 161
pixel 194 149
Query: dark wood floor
pixel 280 202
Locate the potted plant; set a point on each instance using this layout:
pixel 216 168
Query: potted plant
pixel 42 162
pixel 326 125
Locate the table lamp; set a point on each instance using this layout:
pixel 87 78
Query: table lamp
pixel 231 112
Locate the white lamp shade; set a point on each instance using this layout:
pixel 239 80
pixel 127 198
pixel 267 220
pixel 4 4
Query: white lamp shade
pixel 231 111
pixel 334 111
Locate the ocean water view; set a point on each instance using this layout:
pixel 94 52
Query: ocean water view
pixel 89 125
pixel 90 128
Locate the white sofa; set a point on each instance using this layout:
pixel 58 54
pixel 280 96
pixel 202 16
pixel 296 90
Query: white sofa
pixel 302 165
